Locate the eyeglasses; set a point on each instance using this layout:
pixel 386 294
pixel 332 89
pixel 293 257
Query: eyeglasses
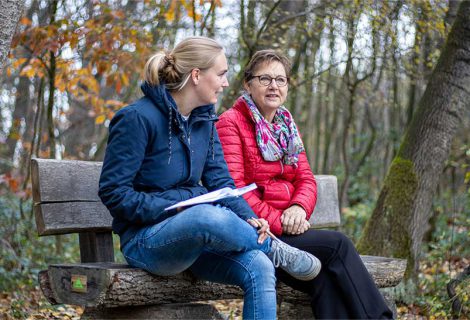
pixel 266 80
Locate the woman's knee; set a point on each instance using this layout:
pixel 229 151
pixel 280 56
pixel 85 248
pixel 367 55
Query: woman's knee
pixel 341 241
pixel 209 216
pixel 262 263
pixel 260 271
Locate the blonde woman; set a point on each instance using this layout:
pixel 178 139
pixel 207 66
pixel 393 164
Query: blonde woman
pixel 163 149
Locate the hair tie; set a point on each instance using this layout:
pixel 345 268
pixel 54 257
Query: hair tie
pixel 170 59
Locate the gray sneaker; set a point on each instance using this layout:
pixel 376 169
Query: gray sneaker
pixel 299 264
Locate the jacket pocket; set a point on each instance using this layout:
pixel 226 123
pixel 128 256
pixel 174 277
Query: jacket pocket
pixel 278 193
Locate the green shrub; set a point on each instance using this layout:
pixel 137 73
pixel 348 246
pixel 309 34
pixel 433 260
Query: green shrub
pixel 22 252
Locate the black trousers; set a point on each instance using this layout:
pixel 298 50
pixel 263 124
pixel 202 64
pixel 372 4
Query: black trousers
pixel 344 288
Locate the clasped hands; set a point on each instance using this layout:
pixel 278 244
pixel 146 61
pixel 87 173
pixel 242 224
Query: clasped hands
pixel 262 226
pixel 294 220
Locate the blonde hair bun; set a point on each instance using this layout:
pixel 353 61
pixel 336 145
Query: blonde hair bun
pixel 174 68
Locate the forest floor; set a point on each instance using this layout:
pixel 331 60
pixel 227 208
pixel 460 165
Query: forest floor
pixel 37 308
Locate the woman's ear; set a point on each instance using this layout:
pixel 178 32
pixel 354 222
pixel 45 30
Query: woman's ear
pixel 246 86
pixel 195 75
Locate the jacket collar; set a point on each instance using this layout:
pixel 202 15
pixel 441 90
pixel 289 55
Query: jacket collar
pixel 241 106
pixel 163 100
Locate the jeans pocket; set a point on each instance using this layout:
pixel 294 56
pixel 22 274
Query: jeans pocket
pixel 131 253
pixel 152 230
pixel 136 263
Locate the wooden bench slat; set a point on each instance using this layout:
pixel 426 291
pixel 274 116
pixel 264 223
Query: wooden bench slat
pixel 96 246
pixel 326 213
pixel 113 285
pixel 71 217
pixel 65 194
pixel 65 180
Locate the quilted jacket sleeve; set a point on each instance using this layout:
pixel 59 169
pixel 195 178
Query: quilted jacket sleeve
pixel 230 137
pixel 305 194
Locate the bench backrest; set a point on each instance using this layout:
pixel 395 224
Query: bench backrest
pixel 65 195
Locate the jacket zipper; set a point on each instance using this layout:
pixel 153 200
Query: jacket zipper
pixel 287 189
pixel 190 125
pixel 285 185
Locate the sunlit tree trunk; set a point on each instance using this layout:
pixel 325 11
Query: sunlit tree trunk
pixel 402 211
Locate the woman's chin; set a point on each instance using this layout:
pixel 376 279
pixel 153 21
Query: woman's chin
pixel 211 101
pixel 271 106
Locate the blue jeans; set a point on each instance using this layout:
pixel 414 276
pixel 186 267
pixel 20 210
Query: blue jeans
pixel 216 245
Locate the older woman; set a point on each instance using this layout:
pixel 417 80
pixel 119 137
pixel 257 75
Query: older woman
pixel 262 144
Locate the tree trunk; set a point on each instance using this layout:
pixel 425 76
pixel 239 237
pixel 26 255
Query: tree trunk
pixel 329 97
pixel 9 16
pixel 22 101
pixel 351 86
pixel 261 33
pixel 52 88
pixel 400 218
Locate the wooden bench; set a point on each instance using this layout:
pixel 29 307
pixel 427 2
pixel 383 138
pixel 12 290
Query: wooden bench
pixel 65 195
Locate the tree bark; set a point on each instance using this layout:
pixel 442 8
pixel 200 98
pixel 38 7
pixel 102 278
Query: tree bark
pixel 400 218
pixel 21 105
pixel 115 285
pixel 9 15
pixel 329 105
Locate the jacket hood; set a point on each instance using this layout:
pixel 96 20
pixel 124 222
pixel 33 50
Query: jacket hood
pixel 163 100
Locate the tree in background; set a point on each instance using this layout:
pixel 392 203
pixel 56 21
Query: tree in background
pixel 9 16
pixel 359 71
pixel 400 218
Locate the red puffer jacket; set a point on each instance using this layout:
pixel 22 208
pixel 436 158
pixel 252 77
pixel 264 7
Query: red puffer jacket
pixel 279 185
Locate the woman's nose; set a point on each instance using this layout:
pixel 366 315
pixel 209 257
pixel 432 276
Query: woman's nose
pixel 273 83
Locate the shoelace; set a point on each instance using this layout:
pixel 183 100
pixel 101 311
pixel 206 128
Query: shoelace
pixel 282 256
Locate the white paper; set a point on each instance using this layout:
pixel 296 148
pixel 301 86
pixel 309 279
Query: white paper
pixel 214 196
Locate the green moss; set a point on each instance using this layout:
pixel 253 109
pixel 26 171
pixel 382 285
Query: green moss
pixel 387 232
pixel 401 184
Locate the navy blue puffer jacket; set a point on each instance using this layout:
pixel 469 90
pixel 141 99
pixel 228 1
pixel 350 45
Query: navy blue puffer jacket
pixel 155 159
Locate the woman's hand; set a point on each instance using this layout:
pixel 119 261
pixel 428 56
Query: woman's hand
pixel 263 227
pixel 294 221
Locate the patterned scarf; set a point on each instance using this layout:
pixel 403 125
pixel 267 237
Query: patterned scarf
pixel 279 139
